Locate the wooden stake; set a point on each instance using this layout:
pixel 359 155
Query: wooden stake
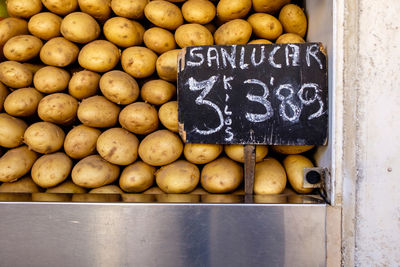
pixel 249 168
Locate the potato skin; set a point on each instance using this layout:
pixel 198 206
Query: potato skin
pixel 288 150
pixel 198 11
pixel 99 55
pixel 160 148
pixel 164 14
pixel 63 7
pixel 10 27
pixel 265 26
pixel 23 185
pixel 193 35
pixel 294 165
pixel 137 177
pixel 293 20
pixel 132 9
pixel 122 32
pixel 3 94
pixel 270 6
pixel 51 79
pixel 233 9
pixel 236 152
pixel 59 52
pixel 15 163
pixel 58 108
pixel 167 65
pixel 11 131
pixel 22 102
pixel 22 47
pixel 138 61
pixel 51 169
pixel 97 111
pixel 178 177
pixel 157 92
pixel 45 25
pixel 83 84
pixel 98 9
pixel 44 137
pixel 159 40
pixel 106 189
pixel 14 74
pixel 202 153
pixel 81 141
pixel 79 27
pixel 260 41
pixel 66 187
pixel 23 8
pixel 288 38
pixel 119 87
pixel 139 118
pixel 168 115
pixel 237 31
pixel 269 177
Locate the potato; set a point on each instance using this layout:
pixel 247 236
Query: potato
pixel 3 95
pixel 269 6
pixel 269 177
pixel 237 31
pixel 159 40
pixel 137 177
pixel 118 146
pixel 93 171
pixel 167 65
pixel 49 197
pixel 14 74
pixel 287 150
pixel 97 111
pixel 10 27
pixel 294 165
pixel 44 137
pixel 83 84
pixel 137 198
pixel 22 47
pixel 260 41
pixel 140 62
pixel 157 92
pixel 164 14
pixel 51 169
pixel 59 52
pixel 289 38
pixel 201 153
pixel 221 175
pixel 168 115
pixel 293 20
pixel 160 148
pixel 119 87
pixel 178 177
pixel 199 191
pixel 11 131
pixel 58 108
pixel 15 163
pixel 99 55
pixel 79 27
pixel 217 198
pixel 45 25
pixel 132 9
pixel 23 185
pixel 153 191
pixel 33 67
pixel 98 9
pixel 177 198
pixel 106 189
pixel 96 198
pixel 51 79
pixel 23 8
pixel 67 187
pixel 81 141
pixel 233 9
pixel 139 118
pixel 122 32
pixel 265 26
pixel 198 11
pixel 270 199
pixel 193 35
pixel 236 152
pixel 63 7
pixel 22 102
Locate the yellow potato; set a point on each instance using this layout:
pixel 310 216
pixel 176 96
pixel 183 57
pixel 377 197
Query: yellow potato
pixel 44 137
pixel 81 141
pixel 265 26
pixel 260 41
pixel 106 189
pixel 167 65
pixel 22 47
pixel 137 177
pixel 269 177
pixel 168 115
pixel 218 198
pixel 93 171
pixel 99 55
pixel 138 61
pixel 236 152
pixel 14 74
pixel 98 9
pixel 138 198
pixel 202 153
pixel 22 102
pixel 11 131
pixel 159 40
pixel 178 177
pixel 33 67
pixel 119 87
pixel 193 35
pixel 97 111
pixel 79 27
pixel 67 187
pixel 289 38
pixel 45 25
pixel 59 52
pixel 177 198
pixel 51 169
pixel 294 165
pixel 23 8
pixel 287 150
pixel 15 163
pixel 293 19
pixel 51 79
pixel 58 108
pixel 157 92
pixel 83 84
pixel 63 7
pixel 198 11
pixel 139 118
pixel 237 31
pixel 153 191
pixel 221 176
pixel 122 32
pixel 160 148
pixel 233 9
pixel 199 191
pixel 50 197
pixel 10 27
pixel 118 146
pixel 23 185
pixel 164 14
pixel 3 95
pixel 269 6
pixel 132 9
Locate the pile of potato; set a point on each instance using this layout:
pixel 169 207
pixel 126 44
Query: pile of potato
pixel 88 95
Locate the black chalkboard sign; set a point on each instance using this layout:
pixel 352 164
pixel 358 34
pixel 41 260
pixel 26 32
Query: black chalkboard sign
pixel 253 94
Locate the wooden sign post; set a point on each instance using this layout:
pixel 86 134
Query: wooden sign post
pixel 274 94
